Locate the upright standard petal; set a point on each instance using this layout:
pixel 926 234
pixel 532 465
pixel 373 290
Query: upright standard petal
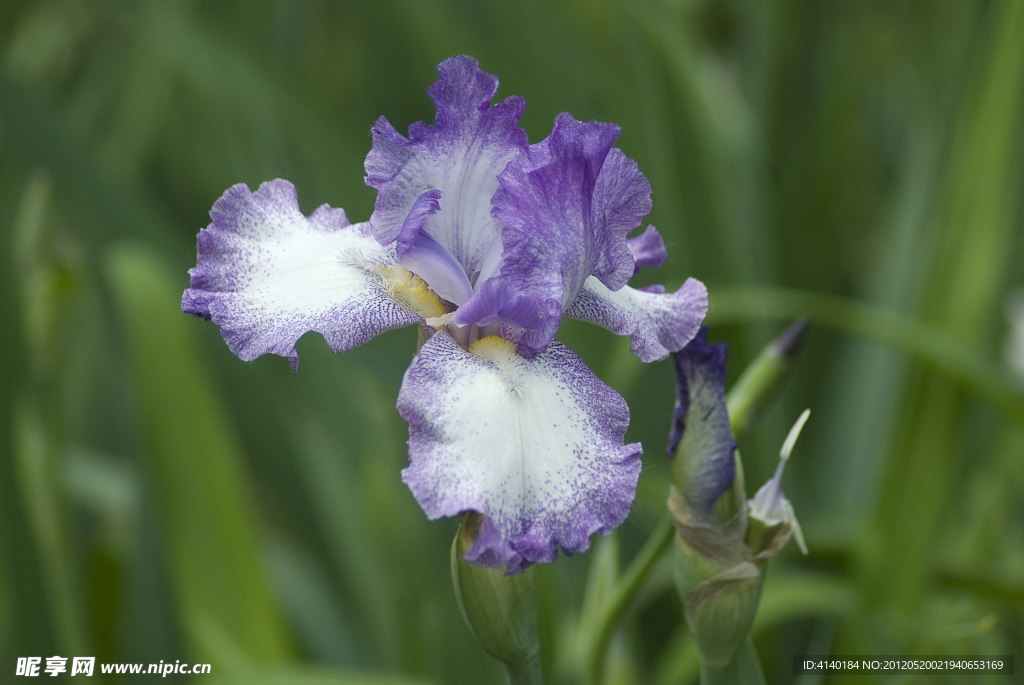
pixel 461 155
pixel 535 445
pixel 622 198
pixel 565 210
pixel 701 435
pixel 266 275
pixel 656 322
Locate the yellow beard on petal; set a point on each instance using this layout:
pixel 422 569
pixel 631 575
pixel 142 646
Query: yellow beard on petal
pixel 408 288
pixel 411 290
pixel 496 349
pixel 503 355
pixel 400 283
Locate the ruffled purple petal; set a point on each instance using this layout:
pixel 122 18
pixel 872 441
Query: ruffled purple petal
pixel 425 257
pixel 648 249
pixel 622 198
pixel 266 275
pixel 656 323
pixel 520 310
pixel 535 445
pixel 461 155
pixel 700 432
pixel 565 209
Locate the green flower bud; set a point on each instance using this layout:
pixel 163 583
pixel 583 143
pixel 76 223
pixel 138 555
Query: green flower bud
pixel 761 382
pixel 723 541
pixel 500 610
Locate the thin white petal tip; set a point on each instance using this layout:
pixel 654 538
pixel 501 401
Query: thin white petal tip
pixel 797 533
pixel 794 433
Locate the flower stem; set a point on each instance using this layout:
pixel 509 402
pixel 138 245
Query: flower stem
pixel 744 669
pixel 525 674
pixel 625 589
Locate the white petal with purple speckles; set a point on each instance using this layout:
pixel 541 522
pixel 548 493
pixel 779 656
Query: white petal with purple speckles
pixel 267 274
pixel 656 322
pixel 461 155
pixel 535 445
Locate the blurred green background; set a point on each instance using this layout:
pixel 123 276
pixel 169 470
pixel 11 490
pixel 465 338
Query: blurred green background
pixel 160 499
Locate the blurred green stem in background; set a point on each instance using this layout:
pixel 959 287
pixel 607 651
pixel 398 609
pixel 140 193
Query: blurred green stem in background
pixel 37 475
pixel 36 455
pixel 922 341
pixel 207 512
pixel 596 631
pixel 763 378
pixel 974 219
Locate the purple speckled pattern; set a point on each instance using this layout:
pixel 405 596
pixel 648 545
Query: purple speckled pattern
pixel 461 155
pixel 266 275
pixel 656 322
pixel 700 430
pixel 565 210
pixel 511 238
pixel 648 249
pixel 535 445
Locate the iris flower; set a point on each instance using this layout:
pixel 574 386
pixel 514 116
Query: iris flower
pixel 486 242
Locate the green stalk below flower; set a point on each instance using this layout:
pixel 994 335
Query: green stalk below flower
pixel 744 669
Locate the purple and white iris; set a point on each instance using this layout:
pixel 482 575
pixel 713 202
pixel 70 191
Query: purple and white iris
pixel 486 242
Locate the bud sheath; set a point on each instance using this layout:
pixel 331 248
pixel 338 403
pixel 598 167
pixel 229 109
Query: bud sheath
pixel 500 610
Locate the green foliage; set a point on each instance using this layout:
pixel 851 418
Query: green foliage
pixel 201 489
pixel 159 499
